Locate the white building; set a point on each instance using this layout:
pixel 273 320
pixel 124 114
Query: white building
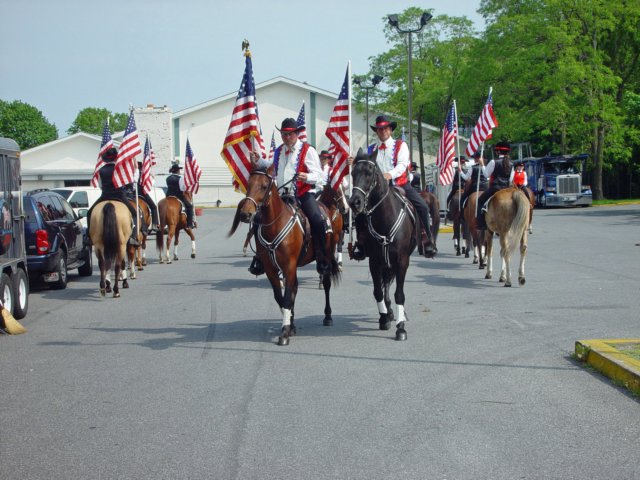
pixel 71 160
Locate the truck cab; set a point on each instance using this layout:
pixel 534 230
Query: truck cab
pixel 557 181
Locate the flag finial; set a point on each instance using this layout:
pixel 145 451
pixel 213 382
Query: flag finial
pixel 245 47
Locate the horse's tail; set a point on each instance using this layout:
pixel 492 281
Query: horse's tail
pixel 521 220
pixel 110 235
pixel 434 211
pixel 236 219
pixel 160 237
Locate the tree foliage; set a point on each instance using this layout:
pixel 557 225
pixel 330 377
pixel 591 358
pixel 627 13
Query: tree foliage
pixel 25 124
pixel 91 120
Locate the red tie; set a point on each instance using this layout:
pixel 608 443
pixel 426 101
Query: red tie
pixel 287 152
pixel 383 146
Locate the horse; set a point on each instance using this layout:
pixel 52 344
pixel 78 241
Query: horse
pixel 477 239
pixel 110 231
pixel 391 239
pixel 459 226
pixel 508 216
pixel 171 215
pixel 283 245
pixel 144 220
pixel 434 212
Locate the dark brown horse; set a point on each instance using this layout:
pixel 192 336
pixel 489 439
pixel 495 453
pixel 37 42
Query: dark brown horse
pixel 283 244
pixel 144 223
pixel 434 212
pixel 477 239
pixel 460 229
pixel 391 240
pixel 508 216
pixel 171 215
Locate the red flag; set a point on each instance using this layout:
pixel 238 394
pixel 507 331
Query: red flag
pixel 244 134
pixel 446 149
pixel 126 160
pixel 146 177
pixel 302 136
pixel 272 148
pixel 338 134
pixel 486 123
pixel 192 171
pixel 106 144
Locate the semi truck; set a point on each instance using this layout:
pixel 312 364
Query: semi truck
pixel 556 180
pixel 14 281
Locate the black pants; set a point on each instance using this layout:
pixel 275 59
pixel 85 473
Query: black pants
pixel 422 209
pixel 120 197
pixel 311 209
pixel 486 195
pixel 453 191
pixel 152 206
pixel 188 208
pixel 470 189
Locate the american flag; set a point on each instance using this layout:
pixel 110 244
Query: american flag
pixel 446 149
pixel 338 133
pixel 106 144
pixel 146 177
pixel 272 148
pixel 244 134
pixel 482 132
pixel 126 160
pixel 192 170
pixel 302 136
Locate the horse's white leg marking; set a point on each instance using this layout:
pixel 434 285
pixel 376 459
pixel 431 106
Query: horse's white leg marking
pixel 382 307
pixel 193 247
pixel 401 315
pixel 286 317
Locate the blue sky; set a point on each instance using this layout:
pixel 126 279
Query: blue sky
pixel 62 56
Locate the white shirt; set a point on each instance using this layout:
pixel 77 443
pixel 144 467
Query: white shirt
pixel 288 165
pixel 384 159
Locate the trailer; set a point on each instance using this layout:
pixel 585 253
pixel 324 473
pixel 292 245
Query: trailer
pixel 14 281
pixel 556 180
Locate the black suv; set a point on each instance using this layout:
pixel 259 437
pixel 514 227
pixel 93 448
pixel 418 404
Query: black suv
pixel 55 239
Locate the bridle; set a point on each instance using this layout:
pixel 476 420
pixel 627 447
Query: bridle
pixel 374 184
pixel 267 197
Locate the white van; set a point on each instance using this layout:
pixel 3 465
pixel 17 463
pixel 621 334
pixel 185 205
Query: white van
pixel 83 197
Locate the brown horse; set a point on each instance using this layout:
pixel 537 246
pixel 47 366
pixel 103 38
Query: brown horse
pixel 110 230
pixel 477 239
pixel 171 215
pixel 508 216
pixel 283 244
pixel 460 229
pixel 144 223
pixel 434 212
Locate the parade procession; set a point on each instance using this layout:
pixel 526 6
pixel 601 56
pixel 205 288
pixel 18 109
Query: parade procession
pixel 321 273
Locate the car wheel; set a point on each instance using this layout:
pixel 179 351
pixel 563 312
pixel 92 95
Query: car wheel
pixel 62 273
pixel 86 270
pixel 6 292
pixel 20 294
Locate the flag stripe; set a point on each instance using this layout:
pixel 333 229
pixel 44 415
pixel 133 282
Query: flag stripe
pixel 446 148
pixel 338 134
pixel 484 127
pixel 123 173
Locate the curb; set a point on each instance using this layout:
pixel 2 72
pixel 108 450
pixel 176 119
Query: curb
pixel 603 355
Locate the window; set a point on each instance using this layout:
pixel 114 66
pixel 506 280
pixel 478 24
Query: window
pixel 79 200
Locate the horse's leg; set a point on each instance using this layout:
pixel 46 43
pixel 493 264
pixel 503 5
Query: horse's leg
pixel 176 242
pixel 456 235
pixel 505 254
pixel 401 272
pixel 326 283
pixel 103 289
pixel 483 237
pixel 384 322
pixel 117 267
pixel 489 256
pixel 170 234
pixel 131 262
pixel 290 281
pixel 523 255
pixel 247 240
pixel 193 241
pixel 123 275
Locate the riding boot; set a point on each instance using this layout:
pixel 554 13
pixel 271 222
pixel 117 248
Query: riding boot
pixel 256 267
pixel 430 250
pixel 359 253
pixel 133 239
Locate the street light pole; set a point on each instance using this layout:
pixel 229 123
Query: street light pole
pixel 393 21
pixel 366 87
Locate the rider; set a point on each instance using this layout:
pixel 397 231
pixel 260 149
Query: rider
pixel 176 187
pixel 477 180
pixel 298 171
pixel 459 178
pixel 498 172
pixel 111 192
pixel 147 198
pixel 392 157
pixel 518 175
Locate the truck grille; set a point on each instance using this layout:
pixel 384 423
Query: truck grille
pixel 568 184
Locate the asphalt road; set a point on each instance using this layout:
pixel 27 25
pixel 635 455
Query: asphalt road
pixel 181 378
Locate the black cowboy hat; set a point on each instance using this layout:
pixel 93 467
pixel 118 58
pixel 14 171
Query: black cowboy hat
pixel 110 155
pixel 290 125
pixel 476 154
pixel 502 147
pixel 462 158
pixel 383 121
pixel 325 154
pixel 519 162
pixel 175 168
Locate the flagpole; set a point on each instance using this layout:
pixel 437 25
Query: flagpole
pixel 455 109
pixel 481 156
pixel 350 146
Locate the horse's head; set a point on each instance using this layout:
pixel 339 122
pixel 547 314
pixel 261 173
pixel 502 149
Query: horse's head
pixel 259 191
pixel 364 174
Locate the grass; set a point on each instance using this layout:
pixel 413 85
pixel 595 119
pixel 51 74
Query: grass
pixel 631 349
pixel 622 201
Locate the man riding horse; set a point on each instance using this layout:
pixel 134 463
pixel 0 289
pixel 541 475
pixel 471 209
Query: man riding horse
pixel 499 172
pixel 176 187
pixel 111 192
pixel 459 181
pixel 147 198
pixel 392 158
pixel 297 169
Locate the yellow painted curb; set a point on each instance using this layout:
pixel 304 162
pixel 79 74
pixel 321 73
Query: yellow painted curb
pixel 603 355
pixel 445 229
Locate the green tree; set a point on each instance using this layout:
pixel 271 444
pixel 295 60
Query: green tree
pixel 91 120
pixel 25 124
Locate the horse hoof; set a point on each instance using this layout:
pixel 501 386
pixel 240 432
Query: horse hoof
pixel 140 268
pixel 487 277
pixel 116 294
pixel 103 292
pixel 480 267
pixel 507 284
pixel 168 262
pixel 125 284
pixel 457 253
pixel 144 263
pixel 475 261
pixel 193 255
pixel 384 323
pixel 521 280
pixel 466 255
pixel 401 334
pixel 108 289
pixel 283 341
pixel 327 322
